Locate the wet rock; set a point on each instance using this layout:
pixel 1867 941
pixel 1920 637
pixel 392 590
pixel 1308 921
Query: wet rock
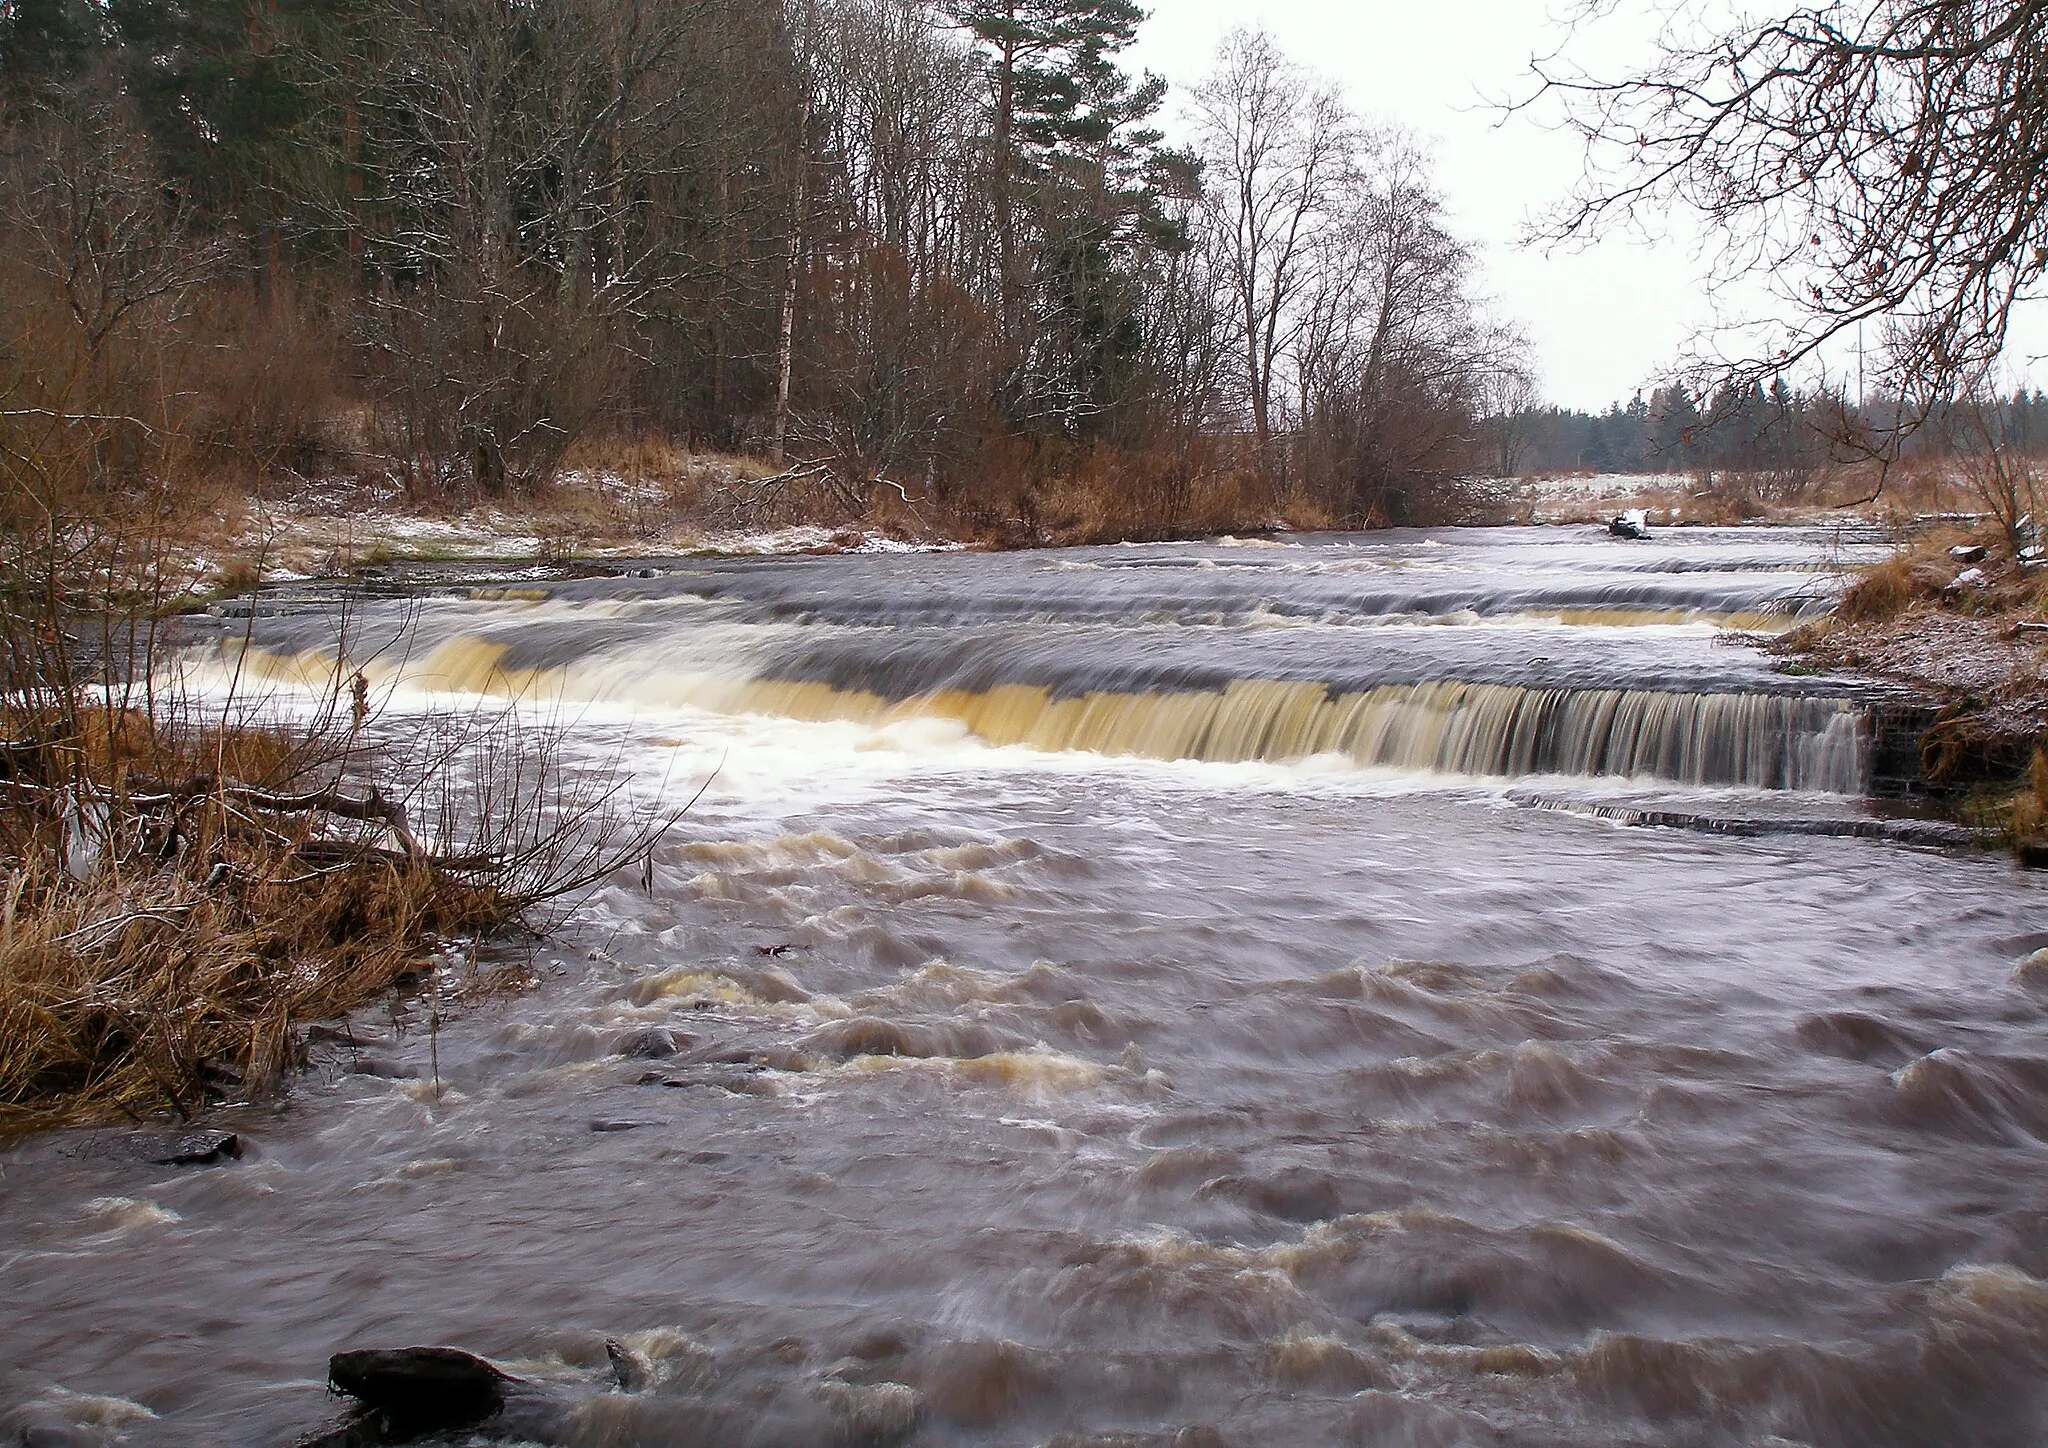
pixel 776 987
pixel 872 1036
pixel 2032 972
pixel 154 1148
pixel 881 1345
pixel 324 1035
pixel 37 1427
pixel 863 1036
pixel 382 1067
pixel 749 1080
pixel 359 1430
pixel 790 1351
pixel 634 1371
pixel 415 1390
pixel 60 1435
pixel 200 1148
pixel 655 1043
pixel 755 1058
pixel 607 1128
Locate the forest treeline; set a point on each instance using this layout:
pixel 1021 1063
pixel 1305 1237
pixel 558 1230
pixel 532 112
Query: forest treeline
pixel 1775 433
pixel 926 255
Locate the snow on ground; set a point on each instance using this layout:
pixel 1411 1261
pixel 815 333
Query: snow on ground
pixel 1602 485
pixel 810 538
pixel 325 528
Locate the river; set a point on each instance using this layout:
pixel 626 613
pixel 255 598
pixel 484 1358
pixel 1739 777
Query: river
pixel 1179 996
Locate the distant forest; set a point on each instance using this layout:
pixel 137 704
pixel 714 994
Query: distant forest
pixel 1753 430
pixel 931 255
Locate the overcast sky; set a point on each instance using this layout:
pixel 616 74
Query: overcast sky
pixel 1604 320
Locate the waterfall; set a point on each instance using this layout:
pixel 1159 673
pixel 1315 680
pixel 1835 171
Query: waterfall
pixel 1767 741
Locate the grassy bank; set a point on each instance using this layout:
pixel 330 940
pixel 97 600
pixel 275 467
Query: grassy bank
pixel 1957 620
pixel 181 899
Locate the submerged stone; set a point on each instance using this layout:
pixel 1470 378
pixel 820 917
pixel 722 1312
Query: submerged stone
pixel 163 1148
pixel 199 1148
pixel 655 1043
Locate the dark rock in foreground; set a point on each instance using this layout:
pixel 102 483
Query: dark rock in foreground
pixel 414 1390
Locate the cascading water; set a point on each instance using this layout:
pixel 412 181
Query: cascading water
pixel 1349 652
pixel 1760 740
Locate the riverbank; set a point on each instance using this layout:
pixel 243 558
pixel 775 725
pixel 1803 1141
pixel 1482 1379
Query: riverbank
pixel 185 896
pixel 1955 620
pixel 661 501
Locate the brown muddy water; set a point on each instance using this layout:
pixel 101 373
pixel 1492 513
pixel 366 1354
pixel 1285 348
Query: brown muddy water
pixel 1127 997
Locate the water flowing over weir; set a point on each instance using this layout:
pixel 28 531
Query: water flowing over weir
pixel 1410 663
pixel 1452 728
pixel 1411 991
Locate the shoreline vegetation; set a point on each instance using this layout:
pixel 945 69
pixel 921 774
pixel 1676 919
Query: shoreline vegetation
pixel 192 890
pixel 645 499
pixel 1955 620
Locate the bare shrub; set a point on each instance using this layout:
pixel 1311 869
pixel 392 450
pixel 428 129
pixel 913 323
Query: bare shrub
pixel 269 379
pixel 2006 485
pixel 184 889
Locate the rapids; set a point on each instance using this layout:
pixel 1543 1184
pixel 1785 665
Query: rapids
pixel 1128 997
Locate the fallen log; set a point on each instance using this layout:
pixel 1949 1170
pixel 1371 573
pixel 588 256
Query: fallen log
pixel 372 807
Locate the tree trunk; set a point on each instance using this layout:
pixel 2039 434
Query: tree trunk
pixel 786 358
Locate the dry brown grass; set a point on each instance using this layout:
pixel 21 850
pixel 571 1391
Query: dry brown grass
pixel 2030 807
pixel 1889 588
pixel 210 920
pixel 152 991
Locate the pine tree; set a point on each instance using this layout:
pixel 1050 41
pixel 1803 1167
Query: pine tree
pixel 220 85
pixel 1076 178
pixel 43 45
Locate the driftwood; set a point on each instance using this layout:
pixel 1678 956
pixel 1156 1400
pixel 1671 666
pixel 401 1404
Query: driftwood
pixel 248 807
pixel 369 807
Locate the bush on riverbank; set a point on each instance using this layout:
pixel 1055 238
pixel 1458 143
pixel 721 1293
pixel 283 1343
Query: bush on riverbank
pixel 180 899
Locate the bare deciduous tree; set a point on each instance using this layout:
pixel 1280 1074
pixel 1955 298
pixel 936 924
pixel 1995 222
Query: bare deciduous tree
pixel 1277 145
pixel 1883 161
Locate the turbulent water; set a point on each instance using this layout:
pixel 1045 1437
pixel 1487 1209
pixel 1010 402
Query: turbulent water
pixel 1132 997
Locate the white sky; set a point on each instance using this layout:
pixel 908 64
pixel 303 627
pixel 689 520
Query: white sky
pixel 1604 320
